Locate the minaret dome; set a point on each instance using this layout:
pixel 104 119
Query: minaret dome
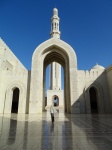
pixel 55 11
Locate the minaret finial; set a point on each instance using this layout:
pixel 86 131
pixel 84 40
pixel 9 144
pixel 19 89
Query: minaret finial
pixel 55 33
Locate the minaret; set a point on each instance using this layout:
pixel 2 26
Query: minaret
pixel 55 68
pixel 55 76
pixel 55 33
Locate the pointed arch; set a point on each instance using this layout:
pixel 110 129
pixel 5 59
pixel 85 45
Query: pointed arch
pixel 47 47
pixel 15 100
pixel 100 97
pixel 93 95
pixel 9 97
pixel 49 51
pixel 55 100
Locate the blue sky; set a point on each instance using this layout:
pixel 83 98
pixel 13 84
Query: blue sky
pixel 84 24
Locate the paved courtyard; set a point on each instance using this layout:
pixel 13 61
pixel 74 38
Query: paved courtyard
pixel 69 132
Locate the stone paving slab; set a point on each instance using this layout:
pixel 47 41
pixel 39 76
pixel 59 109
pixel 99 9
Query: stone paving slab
pixel 69 132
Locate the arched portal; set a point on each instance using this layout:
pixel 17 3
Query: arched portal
pixel 93 100
pixel 53 50
pixel 15 101
pixel 98 90
pixel 15 93
pixel 55 100
pixel 54 56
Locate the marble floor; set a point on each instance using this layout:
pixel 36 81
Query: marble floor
pixel 69 132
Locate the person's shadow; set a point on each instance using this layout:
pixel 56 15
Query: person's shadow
pixel 52 128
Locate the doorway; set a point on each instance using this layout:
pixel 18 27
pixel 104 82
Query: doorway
pixel 93 100
pixel 55 101
pixel 15 100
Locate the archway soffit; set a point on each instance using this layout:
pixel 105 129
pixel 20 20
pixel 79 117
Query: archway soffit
pixel 57 44
pixel 54 57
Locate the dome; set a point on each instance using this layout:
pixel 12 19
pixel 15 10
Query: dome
pixel 98 67
pixel 55 11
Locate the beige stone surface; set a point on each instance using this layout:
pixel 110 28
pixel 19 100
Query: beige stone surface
pixel 51 93
pixel 12 74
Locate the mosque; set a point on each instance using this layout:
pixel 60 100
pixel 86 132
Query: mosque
pixel 22 91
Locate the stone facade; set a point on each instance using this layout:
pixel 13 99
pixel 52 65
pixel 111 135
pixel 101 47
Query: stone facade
pixel 12 75
pixel 84 91
pixel 51 94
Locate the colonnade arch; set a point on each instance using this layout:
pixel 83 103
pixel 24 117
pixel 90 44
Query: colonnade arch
pixel 46 53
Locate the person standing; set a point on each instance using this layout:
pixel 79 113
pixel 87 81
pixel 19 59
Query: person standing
pixel 52 111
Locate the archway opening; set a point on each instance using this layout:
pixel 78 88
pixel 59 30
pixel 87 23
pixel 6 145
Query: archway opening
pixel 55 101
pixel 54 85
pixel 15 100
pixel 56 57
pixel 93 100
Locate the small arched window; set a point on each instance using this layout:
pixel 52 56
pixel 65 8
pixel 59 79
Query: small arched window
pixel 55 25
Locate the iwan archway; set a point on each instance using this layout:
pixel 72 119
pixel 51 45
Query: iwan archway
pixel 55 93
pixel 46 53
